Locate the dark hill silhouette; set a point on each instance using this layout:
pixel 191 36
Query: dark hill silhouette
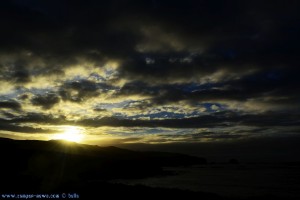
pixel 60 167
pixel 45 166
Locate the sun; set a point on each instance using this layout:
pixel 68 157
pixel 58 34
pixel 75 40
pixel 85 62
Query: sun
pixel 71 133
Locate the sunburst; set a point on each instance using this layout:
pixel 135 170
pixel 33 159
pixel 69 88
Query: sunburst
pixel 70 133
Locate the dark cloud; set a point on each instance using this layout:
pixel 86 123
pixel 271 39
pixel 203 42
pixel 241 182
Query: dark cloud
pixel 19 123
pixel 79 90
pixel 220 119
pixel 275 87
pixel 23 129
pixel 21 76
pixel 76 90
pixel 241 36
pixel 100 109
pixel 212 35
pixel 8 114
pixel 140 88
pixel 62 30
pixel 15 72
pixel 46 101
pixel 200 136
pixel 39 118
pixel 10 104
pixel 63 33
pixel 24 96
pixel 167 53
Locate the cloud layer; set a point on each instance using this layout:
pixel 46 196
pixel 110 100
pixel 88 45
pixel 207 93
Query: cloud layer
pixel 171 64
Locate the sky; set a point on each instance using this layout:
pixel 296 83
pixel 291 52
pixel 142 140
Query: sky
pixel 150 72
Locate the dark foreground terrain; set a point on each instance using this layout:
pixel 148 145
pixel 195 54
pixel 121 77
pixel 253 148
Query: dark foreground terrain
pixel 58 167
pixel 71 170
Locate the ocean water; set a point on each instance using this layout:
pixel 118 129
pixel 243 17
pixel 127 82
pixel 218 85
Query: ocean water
pixel 230 180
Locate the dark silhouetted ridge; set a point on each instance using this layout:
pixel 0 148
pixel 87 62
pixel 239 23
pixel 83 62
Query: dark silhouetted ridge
pixel 30 165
